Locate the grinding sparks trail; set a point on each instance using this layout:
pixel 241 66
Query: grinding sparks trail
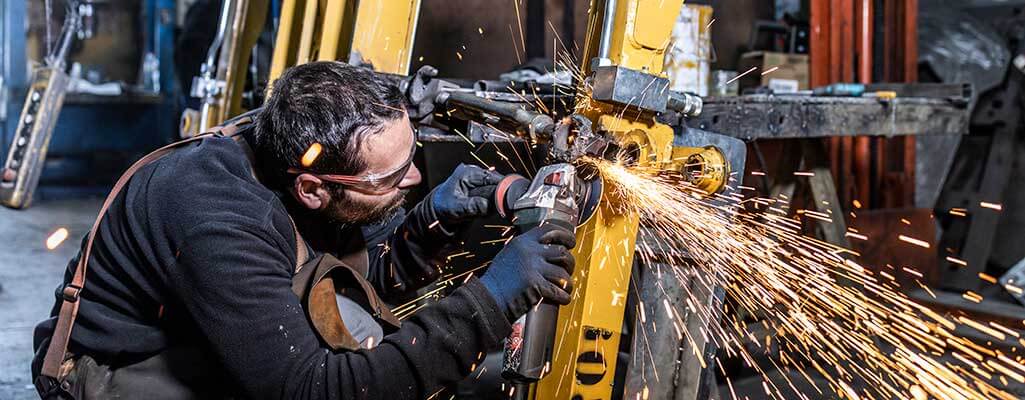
pixel 56 238
pixel 827 314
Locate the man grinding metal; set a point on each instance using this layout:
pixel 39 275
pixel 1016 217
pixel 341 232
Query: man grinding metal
pixel 240 265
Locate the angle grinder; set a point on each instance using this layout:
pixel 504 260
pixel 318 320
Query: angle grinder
pixel 558 196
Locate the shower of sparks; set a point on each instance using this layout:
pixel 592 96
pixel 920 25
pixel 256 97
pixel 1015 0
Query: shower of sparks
pixel 820 312
pixel 770 70
pixel 56 238
pixel 735 78
pixel 825 313
pixel 992 206
pixel 916 242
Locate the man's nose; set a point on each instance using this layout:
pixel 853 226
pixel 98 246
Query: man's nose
pixel 411 179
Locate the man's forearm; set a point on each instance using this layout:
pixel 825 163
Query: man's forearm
pixel 436 347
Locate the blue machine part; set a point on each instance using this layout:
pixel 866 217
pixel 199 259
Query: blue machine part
pixel 96 137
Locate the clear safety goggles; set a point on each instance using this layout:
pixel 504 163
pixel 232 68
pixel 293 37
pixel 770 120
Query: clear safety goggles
pixel 372 183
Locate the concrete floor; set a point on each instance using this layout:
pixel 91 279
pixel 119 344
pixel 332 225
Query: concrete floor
pixel 29 273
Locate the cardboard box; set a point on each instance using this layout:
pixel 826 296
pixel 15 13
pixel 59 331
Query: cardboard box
pixel 788 72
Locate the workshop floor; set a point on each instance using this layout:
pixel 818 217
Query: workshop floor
pixel 28 275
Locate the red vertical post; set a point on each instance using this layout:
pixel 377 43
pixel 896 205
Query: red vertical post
pixel 819 43
pixel 910 75
pixel 862 145
pixel 843 50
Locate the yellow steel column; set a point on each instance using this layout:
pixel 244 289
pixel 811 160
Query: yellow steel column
pixel 587 340
pixel 378 31
pixel 287 25
pixel 307 32
pixel 384 34
pixel 332 31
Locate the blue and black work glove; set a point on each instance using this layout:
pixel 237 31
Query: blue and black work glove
pixel 464 196
pixel 532 267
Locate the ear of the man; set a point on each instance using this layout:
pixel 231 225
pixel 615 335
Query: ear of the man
pixel 310 192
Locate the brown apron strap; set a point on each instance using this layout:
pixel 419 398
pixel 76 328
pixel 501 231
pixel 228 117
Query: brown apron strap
pixel 302 254
pixel 57 350
pixel 317 285
pixel 325 317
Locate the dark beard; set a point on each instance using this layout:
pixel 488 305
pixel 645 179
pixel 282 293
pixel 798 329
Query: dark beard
pixel 347 212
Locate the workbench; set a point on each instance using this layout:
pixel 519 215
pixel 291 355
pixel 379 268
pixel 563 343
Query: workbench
pixel 759 116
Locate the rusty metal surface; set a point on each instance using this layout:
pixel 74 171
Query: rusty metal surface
pixel 788 117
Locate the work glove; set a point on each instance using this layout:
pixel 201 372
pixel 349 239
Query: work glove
pixel 464 196
pixel 533 266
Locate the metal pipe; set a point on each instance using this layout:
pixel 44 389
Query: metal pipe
pixel 605 45
pixel 207 69
pixel 689 105
pixel 494 113
pixel 71 24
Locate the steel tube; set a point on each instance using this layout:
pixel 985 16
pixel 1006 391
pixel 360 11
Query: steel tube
pixel 537 123
pixel 605 44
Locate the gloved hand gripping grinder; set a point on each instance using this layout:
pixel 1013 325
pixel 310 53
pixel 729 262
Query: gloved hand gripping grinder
pixel 556 196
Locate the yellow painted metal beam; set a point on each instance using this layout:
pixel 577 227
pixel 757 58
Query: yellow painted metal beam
pixel 589 328
pixel 587 341
pixel 287 31
pixel 380 32
pixel 641 33
pixel 384 34
pixel 307 31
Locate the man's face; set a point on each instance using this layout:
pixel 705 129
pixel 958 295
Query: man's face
pixel 383 152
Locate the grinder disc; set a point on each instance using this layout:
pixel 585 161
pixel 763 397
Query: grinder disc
pixel 588 196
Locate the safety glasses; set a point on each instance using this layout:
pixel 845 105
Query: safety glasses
pixel 372 183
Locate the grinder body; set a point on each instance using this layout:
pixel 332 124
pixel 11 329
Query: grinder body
pixel 553 197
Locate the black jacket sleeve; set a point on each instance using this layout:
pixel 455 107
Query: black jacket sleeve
pixel 235 281
pixel 407 252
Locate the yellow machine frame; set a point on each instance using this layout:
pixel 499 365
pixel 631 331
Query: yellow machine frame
pixel 589 328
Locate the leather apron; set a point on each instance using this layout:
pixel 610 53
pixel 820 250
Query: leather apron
pixel 316 281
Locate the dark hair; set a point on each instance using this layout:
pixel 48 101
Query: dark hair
pixel 326 102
